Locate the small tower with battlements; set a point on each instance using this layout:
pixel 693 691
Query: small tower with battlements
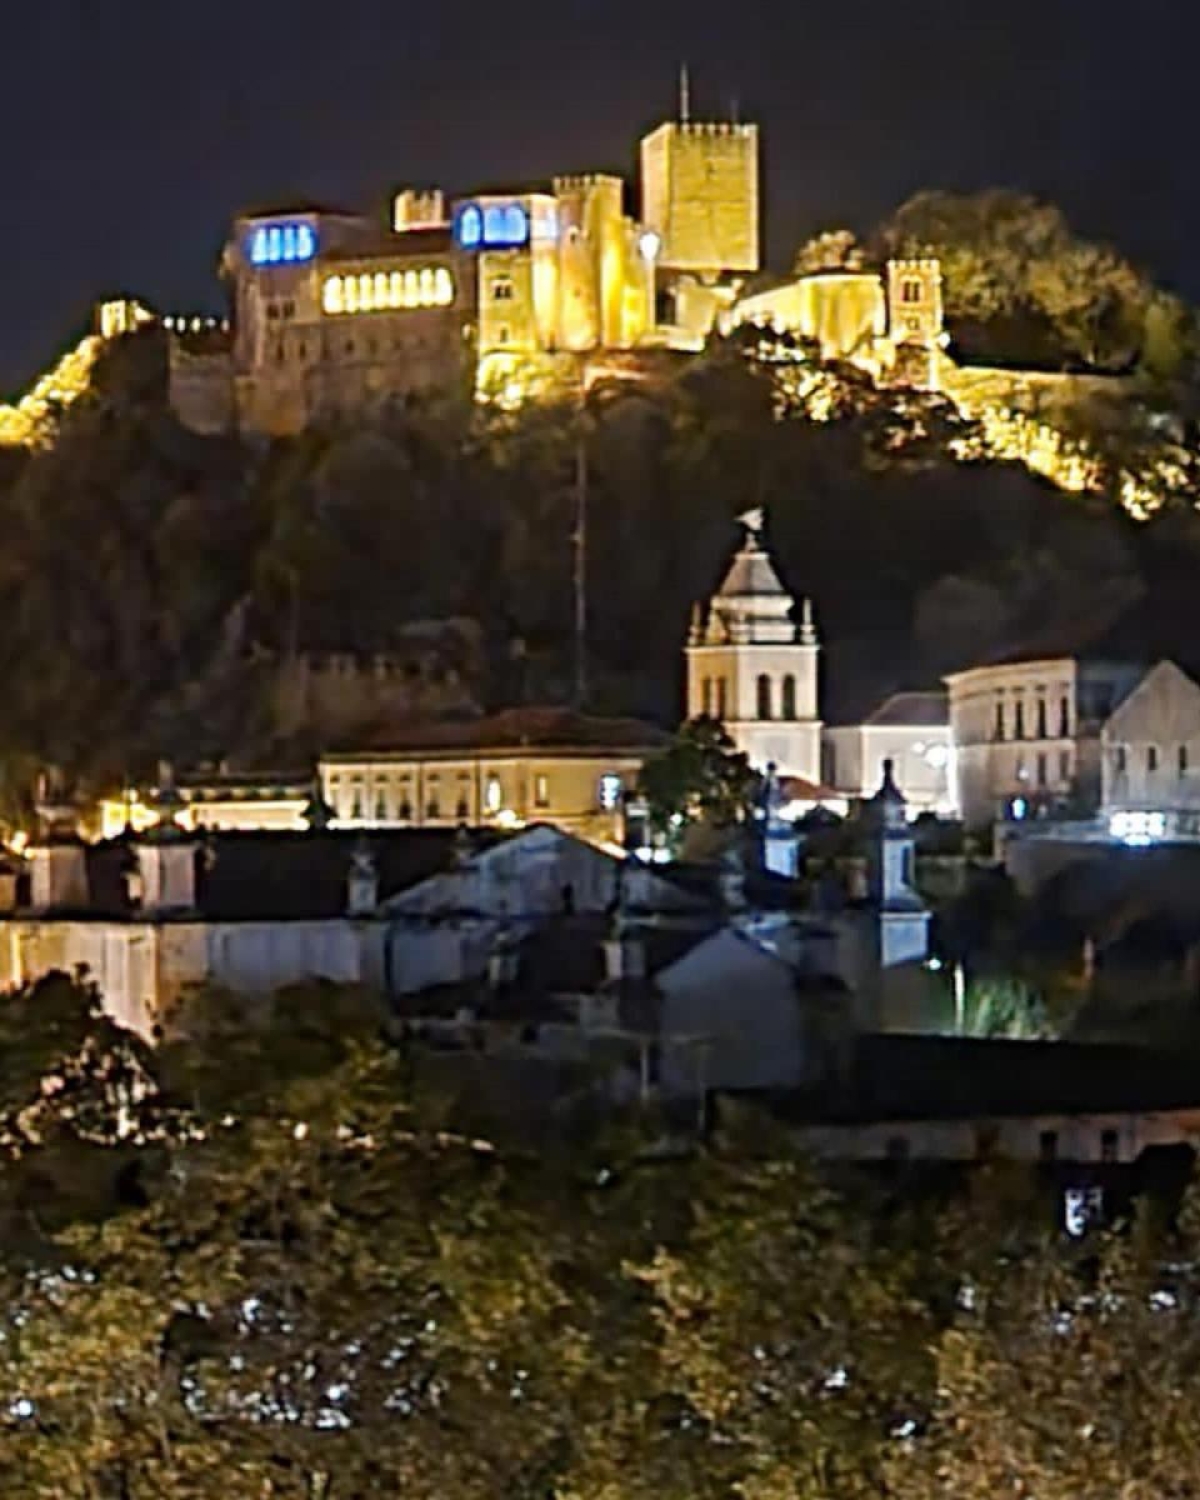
pixel 916 319
pixel 751 665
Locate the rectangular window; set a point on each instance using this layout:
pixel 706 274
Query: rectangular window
pixel 502 290
pixel 1019 727
pixel 911 292
pixel 1064 719
pixel 1041 719
pixel 1151 758
pixel 1119 760
pixel 998 725
pixel 1064 766
pixel 722 698
pixel 1183 760
pixel 1042 776
pixel 541 791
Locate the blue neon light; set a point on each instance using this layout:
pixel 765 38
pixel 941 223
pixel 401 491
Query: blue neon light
pixel 283 244
pixel 496 226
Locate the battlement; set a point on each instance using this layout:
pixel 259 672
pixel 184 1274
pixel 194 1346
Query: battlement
pixel 926 266
pixel 716 129
pixel 577 182
pixel 418 208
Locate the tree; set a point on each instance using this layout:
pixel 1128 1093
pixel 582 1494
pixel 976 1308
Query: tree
pixel 700 777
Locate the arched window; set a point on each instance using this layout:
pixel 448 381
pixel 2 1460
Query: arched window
pixel 493 224
pixel 427 287
pixel 396 289
pixel 470 227
pixel 366 292
pixel 443 287
pixel 350 293
pixel 382 292
pixel 411 289
pixel 333 295
pixel 764 696
pixel 789 697
pixel 1019 731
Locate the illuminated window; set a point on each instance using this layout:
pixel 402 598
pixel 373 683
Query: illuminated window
pixel 789 697
pixel 396 289
pixel 502 289
pixel 470 227
pixel 493 797
pixel 541 791
pixel 443 287
pixel 411 289
pixel 282 244
pixel 764 696
pixel 610 791
pixel 432 802
pixel 332 299
pixel 366 292
pixel 426 287
pixel 493 224
pixel 350 293
pixel 383 294
pixel 910 291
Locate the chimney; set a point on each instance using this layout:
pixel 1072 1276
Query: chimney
pixel 58 861
pixel 362 882
pixel 165 878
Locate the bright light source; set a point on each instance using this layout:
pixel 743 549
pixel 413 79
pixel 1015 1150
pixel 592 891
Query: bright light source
pixel 1138 829
pixel 650 244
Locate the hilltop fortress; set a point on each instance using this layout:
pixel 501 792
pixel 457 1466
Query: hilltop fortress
pixel 529 294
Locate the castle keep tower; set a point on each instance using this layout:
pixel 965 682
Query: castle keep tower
pixel 700 194
pixel 751 667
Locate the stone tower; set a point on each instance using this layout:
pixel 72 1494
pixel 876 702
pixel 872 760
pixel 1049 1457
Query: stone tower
pixel 916 320
pixel 903 936
pixel 749 665
pixel 700 194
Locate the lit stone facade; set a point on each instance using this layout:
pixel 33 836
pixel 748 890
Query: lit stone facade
pixel 753 668
pixel 1027 735
pixel 701 188
pixel 912 730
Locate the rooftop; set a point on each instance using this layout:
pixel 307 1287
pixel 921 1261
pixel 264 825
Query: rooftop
pixel 511 729
pixel 911 710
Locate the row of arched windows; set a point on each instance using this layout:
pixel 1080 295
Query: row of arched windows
pixel 388 291
pixel 714 697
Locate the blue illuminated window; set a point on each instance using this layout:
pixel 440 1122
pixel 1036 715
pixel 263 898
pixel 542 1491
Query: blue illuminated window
pixel 282 244
pixel 470 227
pixel 496 226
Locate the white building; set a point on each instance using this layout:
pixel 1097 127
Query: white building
pixel 1026 735
pixel 752 667
pixel 1151 758
pixel 912 730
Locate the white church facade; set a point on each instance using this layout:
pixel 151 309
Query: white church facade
pixel 752 666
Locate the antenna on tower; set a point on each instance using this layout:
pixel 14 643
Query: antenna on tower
pixel 685 94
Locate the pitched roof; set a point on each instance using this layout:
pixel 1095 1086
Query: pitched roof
pixel 752 574
pixel 512 729
pixel 278 876
pixel 915 710
pixel 960 1078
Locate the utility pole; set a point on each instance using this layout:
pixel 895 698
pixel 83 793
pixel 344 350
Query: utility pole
pixel 580 540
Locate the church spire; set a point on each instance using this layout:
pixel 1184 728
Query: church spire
pixel 808 625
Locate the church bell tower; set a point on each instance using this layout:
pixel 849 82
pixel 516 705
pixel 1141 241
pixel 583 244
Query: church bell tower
pixel 750 665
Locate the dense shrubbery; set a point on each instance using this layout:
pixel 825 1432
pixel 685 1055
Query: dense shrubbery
pixel 270 1261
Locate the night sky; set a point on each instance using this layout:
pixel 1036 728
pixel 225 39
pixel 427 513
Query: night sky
pixel 133 129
